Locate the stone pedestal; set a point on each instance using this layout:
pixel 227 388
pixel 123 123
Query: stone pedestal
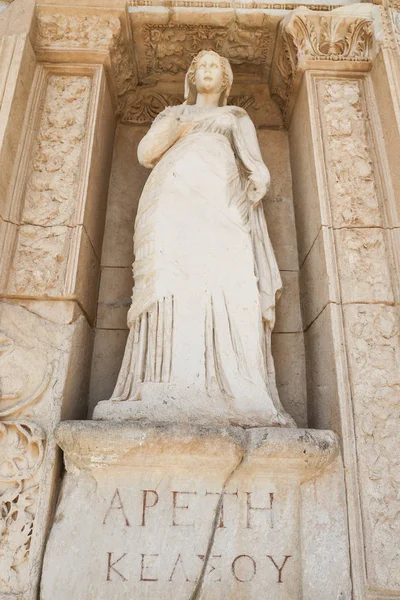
pixel 173 512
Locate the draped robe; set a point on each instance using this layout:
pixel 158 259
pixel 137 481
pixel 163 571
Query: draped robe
pixel 206 279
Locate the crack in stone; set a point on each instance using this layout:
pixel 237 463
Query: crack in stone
pixel 197 590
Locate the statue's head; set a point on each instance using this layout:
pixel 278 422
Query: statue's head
pixel 209 73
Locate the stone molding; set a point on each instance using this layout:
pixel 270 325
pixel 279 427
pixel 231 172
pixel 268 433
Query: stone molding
pixel 228 4
pixel 86 443
pixel 308 40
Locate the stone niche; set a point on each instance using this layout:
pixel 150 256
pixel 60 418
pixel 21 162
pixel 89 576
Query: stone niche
pixel 177 512
pixel 165 43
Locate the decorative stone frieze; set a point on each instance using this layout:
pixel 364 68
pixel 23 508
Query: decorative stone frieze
pixel 227 4
pixel 58 30
pixel 170 48
pixel 307 39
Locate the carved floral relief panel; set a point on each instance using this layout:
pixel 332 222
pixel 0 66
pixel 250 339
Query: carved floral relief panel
pixel 52 189
pixel 169 49
pixel 372 334
pixel 66 31
pixel 351 178
pixel 364 266
pixel 52 196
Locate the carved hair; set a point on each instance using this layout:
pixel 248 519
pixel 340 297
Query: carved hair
pixel 190 79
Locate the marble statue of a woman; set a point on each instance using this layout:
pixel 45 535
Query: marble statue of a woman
pixel 206 279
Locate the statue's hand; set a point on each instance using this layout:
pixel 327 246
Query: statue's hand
pixel 257 188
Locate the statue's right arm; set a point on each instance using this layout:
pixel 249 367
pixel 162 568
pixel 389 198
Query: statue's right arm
pixel 164 132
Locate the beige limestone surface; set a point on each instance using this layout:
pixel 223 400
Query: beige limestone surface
pixel 344 128
pixel 264 514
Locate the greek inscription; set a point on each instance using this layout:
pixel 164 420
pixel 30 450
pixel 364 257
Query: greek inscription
pixel 176 505
pixel 247 568
pixel 211 565
pixel 145 567
pixel 179 561
pixel 155 567
pixel 116 504
pixel 111 567
pixel 148 502
pixel 251 508
pixel 221 512
pixel 279 569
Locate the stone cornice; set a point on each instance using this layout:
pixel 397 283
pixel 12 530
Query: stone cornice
pixel 311 40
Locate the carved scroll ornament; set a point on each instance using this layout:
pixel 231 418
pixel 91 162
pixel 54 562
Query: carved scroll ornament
pixel 306 36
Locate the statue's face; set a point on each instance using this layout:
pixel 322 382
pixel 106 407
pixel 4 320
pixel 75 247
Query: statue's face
pixel 209 74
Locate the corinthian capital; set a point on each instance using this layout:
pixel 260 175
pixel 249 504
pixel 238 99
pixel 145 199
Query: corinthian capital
pixel 310 39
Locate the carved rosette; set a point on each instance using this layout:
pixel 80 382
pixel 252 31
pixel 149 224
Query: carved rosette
pixel 306 38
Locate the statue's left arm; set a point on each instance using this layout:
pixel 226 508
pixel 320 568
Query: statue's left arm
pixel 258 178
pixel 248 150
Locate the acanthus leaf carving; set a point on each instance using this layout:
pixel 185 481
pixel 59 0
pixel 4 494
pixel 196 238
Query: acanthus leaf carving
pixel 143 105
pixel 305 36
